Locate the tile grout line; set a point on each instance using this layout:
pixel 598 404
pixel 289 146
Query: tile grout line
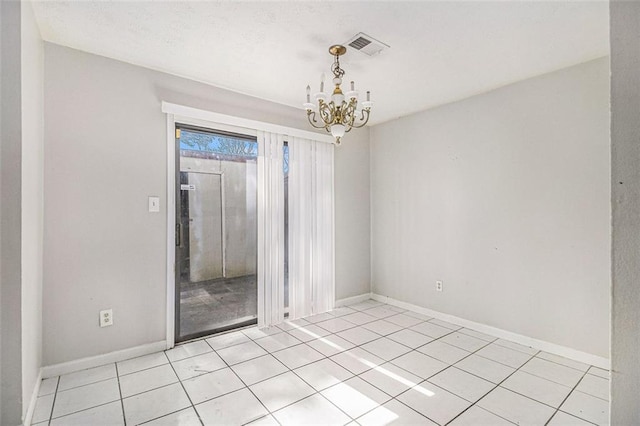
pixel 245 385
pixel 85 409
pixel 563 400
pixel 329 358
pixel 183 389
pixel 390 361
pixel 356 375
pixel 124 418
pixel 87 384
pixel 535 375
pixel 565 365
pixel 315 392
pixel 394 398
pixel 416 350
pixel 163 416
pixel 130 396
pixel 567 397
pixel 436 373
pixel 411 349
pixel 494 388
pixel 591 395
pixel 53 404
pixel 331 333
pixel 552 381
pixel 323 357
pixel 118 375
pixel 494 341
pixel 467 356
pixel 535 355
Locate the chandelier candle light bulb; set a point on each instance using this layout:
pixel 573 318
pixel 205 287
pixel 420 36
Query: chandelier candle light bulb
pixel 342 113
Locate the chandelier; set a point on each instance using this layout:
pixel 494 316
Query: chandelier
pixel 342 112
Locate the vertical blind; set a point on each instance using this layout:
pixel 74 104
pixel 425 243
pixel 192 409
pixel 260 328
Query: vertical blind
pixel 311 228
pixel 270 229
pixel 311 260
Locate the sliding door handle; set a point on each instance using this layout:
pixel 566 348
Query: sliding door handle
pixel 178 235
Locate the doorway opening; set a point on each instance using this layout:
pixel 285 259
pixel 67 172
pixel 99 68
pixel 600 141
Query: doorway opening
pixel 216 231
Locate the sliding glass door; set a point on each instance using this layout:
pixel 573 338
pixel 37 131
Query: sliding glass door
pixel 216 231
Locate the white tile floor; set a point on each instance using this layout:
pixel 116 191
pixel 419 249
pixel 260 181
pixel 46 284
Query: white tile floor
pixel 367 364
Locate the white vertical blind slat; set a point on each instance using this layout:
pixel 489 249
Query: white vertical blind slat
pixel 262 293
pixel 311 237
pixel 311 228
pixel 270 229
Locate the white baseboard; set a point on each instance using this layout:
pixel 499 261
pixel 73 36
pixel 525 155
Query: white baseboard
pixel 553 348
pixel 32 402
pixel 352 300
pixel 98 360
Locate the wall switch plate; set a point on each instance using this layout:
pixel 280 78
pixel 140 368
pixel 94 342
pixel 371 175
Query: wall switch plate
pixel 154 204
pixel 106 318
pixel 438 285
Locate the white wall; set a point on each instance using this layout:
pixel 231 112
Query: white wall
pixel 21 211
pixel 10 217
pixel 105 152
pixel 505 197
pixel 625 184
pixel 32 200
pixel 352 215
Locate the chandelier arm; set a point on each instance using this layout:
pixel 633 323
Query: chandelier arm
pixel 349 113
pixel 326 113
pixel 311 116
pixel 363 119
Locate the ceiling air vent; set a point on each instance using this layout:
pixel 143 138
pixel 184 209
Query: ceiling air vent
pixel 366 44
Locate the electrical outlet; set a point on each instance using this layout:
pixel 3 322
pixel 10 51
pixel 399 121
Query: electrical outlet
pixel 438 285
pixel 106 318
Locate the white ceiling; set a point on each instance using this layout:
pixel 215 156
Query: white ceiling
pixel 440 51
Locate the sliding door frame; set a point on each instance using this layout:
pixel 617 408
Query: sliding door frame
pixel 196 117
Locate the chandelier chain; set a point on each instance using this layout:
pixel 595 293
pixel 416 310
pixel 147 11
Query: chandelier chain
pixel 335 68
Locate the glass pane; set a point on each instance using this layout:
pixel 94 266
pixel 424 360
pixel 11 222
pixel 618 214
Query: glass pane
pixel 216 254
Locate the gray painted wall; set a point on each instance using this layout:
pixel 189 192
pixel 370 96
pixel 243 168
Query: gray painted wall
pixel 102 249
pixel 352 215
pixel 505 197
pixel 625 184
pixel 32 200
pixel 10 216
